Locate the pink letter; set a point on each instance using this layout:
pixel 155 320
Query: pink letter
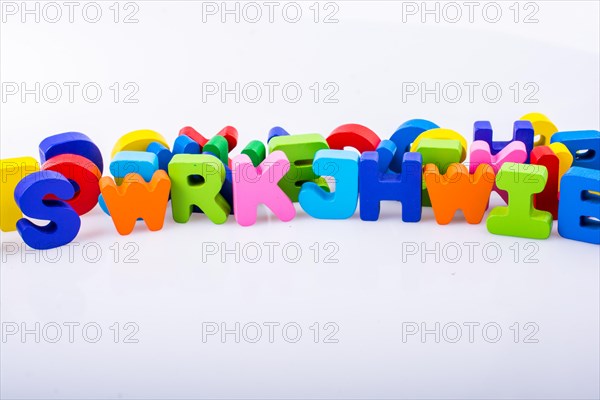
pixel 514 152
pixel 254 186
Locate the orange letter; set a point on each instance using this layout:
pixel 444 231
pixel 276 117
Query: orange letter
pixel 458 190
pixel 136 198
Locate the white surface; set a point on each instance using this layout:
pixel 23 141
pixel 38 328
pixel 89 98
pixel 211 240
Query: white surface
pixel 370 293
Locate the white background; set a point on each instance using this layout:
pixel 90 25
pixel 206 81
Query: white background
pixel 370 294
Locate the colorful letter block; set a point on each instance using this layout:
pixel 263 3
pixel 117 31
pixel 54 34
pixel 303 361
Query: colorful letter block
pixel 375 186
pixel 404 136
pixel 258 185
pixel 514 152
pixel 456 189
pixel 123 163
pixel 227 188
pixel 30 195
pixel 300 151
pixel 194 135
pixel 583 145
pixel 579 208
pixel 353 135
pixel 275 132
pixel 256 151
pixel 71 143
pixel 12 170
pixel 543 128
pixel 442 153
pixel 229 133
pixel 196 180
pixel 217 146
pixel 547 199
pixel 137 141
pixel 137 199
pixel 185 145
pixel 182 145
pixel 522 132
pixel 387 151
pixel 83 174
pixel 342 165
pixel 565 159
pixel 163 154
pixel 520 218
pixel 439 134
pixel 133 162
